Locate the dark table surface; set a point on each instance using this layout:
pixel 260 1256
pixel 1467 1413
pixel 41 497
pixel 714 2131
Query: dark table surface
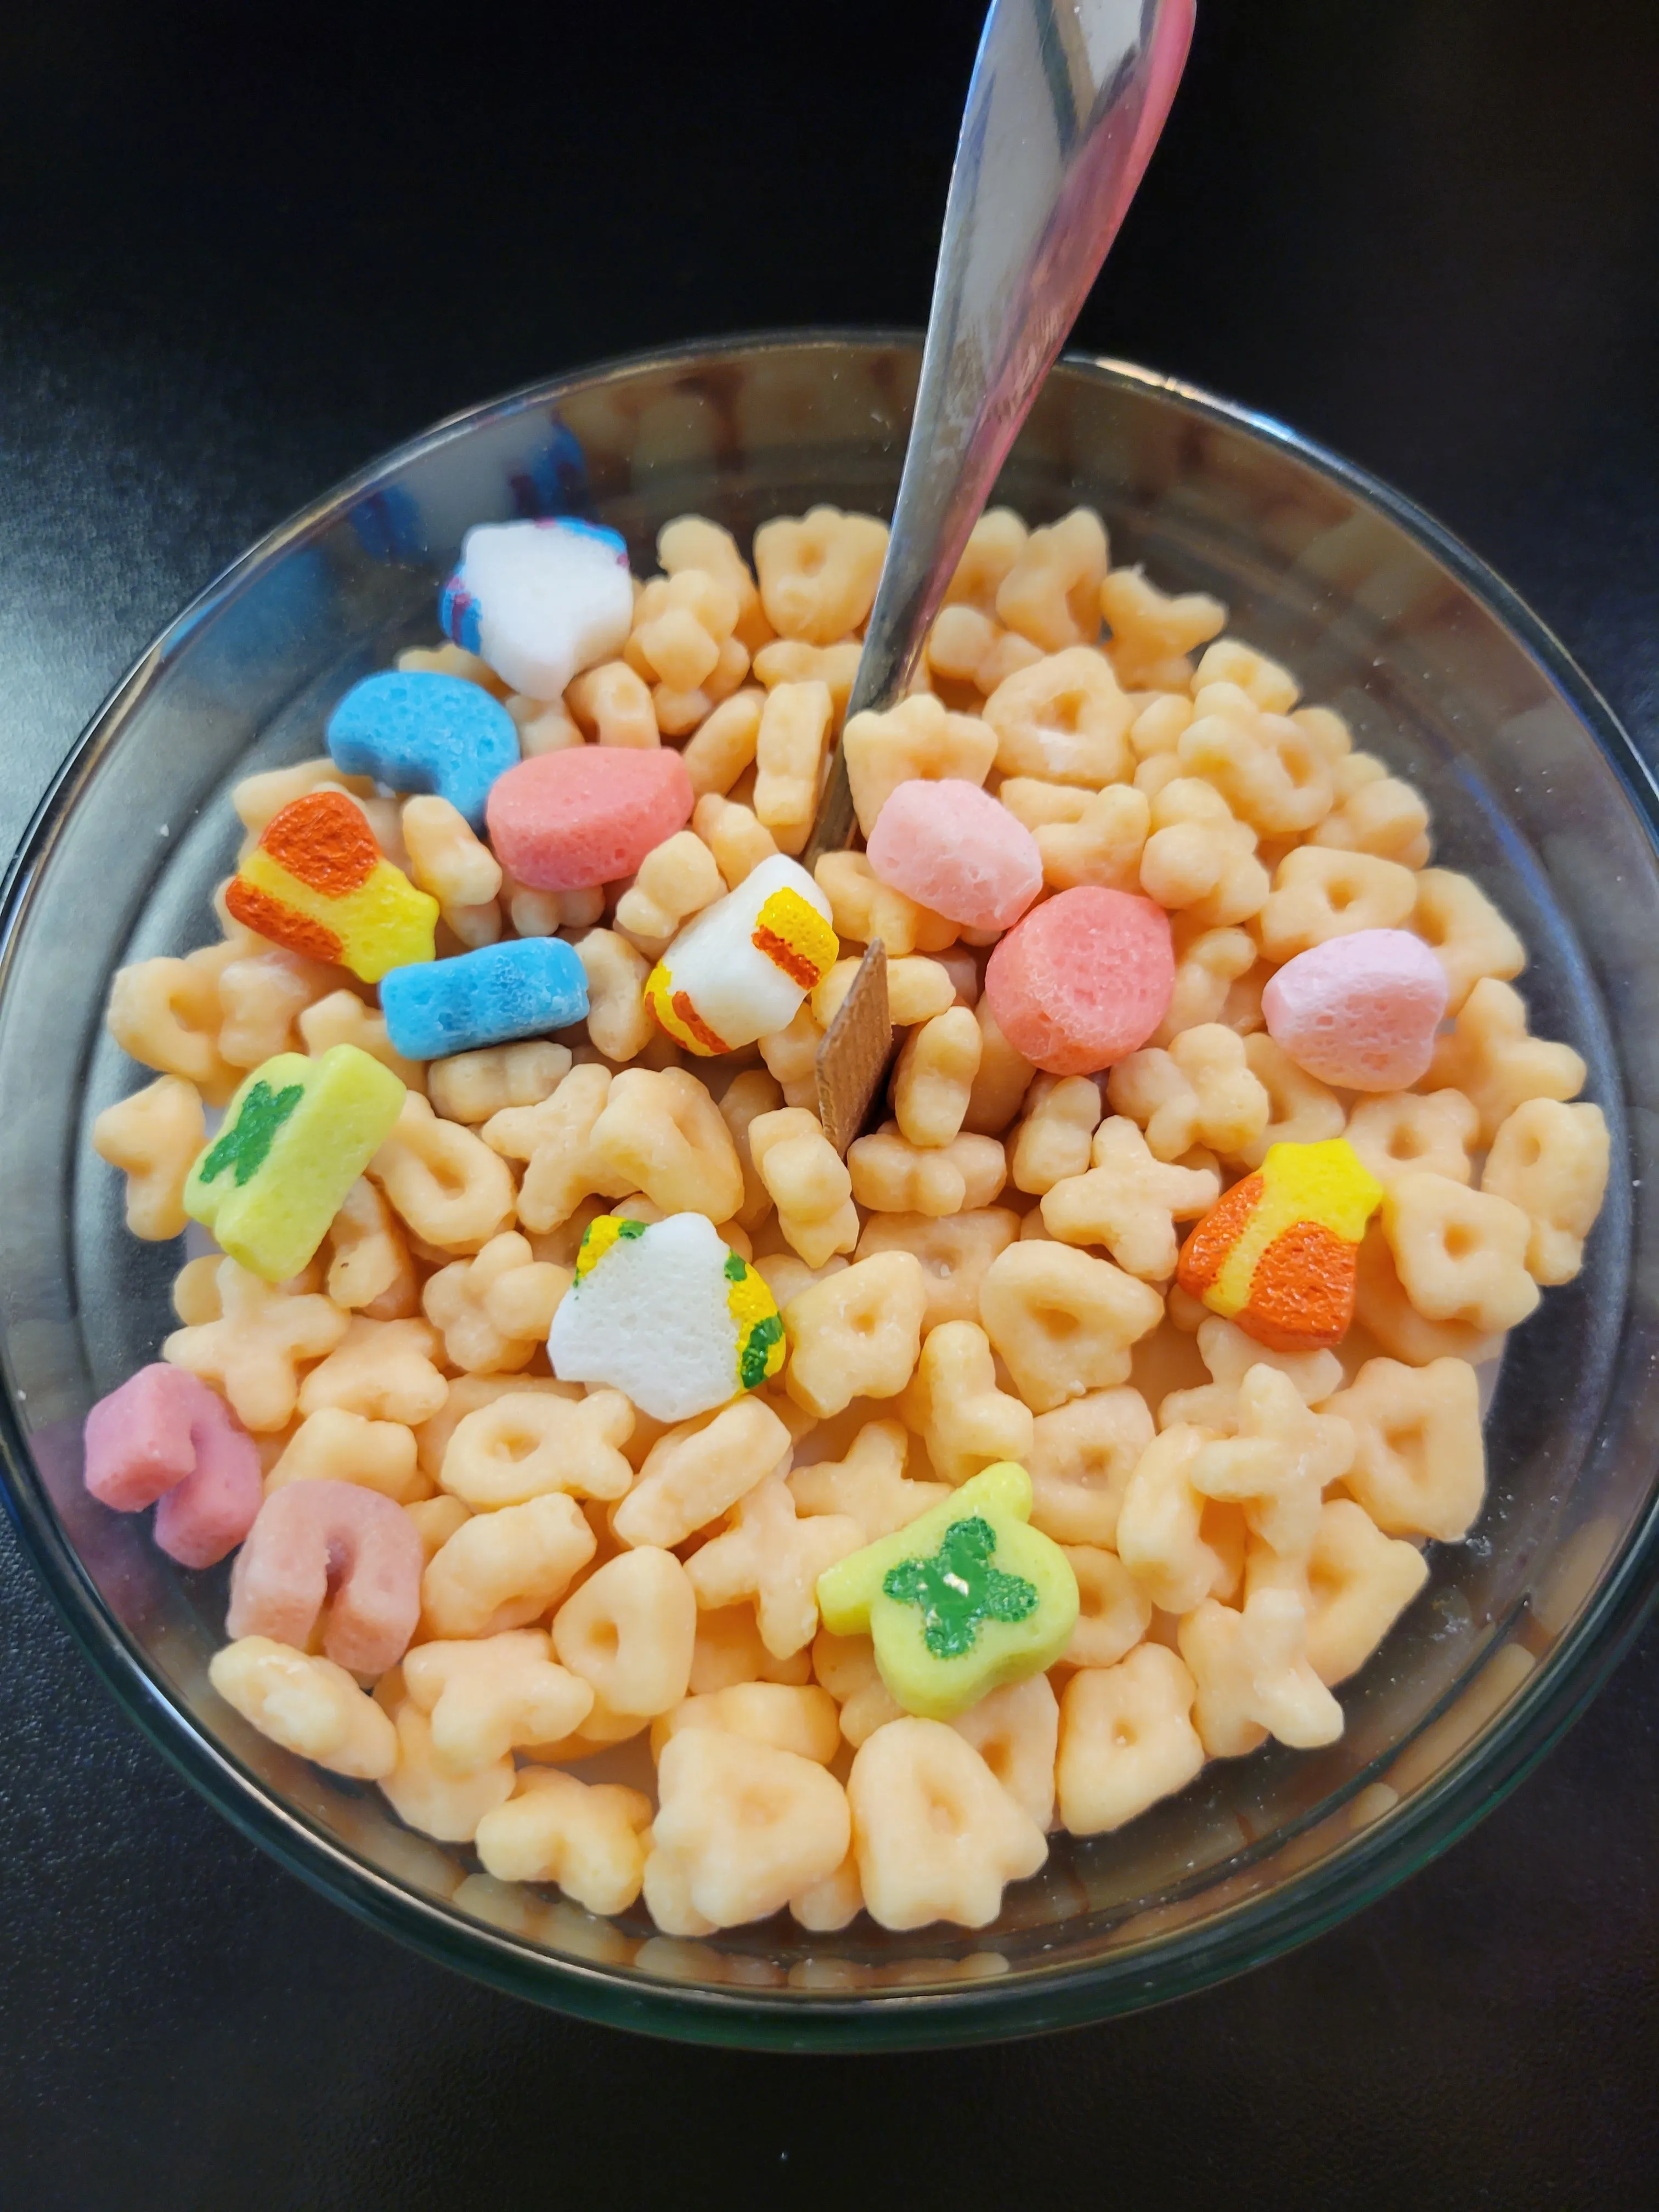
pixel 240 251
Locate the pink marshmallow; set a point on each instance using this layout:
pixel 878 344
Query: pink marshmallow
pixel 951 847
pixel 1084 980
pixel 566 821
pixel 165 1436
pixel 315 1542
pixel 1360 1012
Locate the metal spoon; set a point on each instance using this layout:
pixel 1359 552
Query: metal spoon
pixel 1067 102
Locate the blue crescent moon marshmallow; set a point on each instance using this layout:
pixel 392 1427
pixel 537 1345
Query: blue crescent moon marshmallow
pixel 416 730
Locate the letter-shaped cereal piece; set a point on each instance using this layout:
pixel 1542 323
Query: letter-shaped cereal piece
pixel 333 1544
pixel 1278 1254
pixel 695 1474
pixel 505 1568
pixel 742 1828
pixel 153 1137
pixel 1062 1320
pixel 770 1556
pixel 164 1438
pixel 1419 1466
pixel 665 1130
pixel 965 1598
pixel 801 1170
pixel 487 1697
pixel 936 1835
pixel 855 1334
pixel 295 1138
pixel 589 1837
pixel 526 1443
pixel 629 1632
pixel 1551 1160
pixel 1129 1201
pixel 1126 1740
pixel 869 1483
pixel 742 968
pixel 1460 1254
pixel 307 1705
pixel 254 1344
pixel 1355 1583
pixel 953 1403
pixel 1254 1678
pixel 319 884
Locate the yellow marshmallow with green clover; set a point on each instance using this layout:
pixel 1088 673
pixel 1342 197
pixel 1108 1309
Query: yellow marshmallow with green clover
pixel 960 1600
pixel 296 1137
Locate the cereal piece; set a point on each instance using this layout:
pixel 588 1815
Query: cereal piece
pixel 309 1707
pixel 587 1838
pixel 1278 1254
pixel 316 882
pixel 1386 1313
pixel 469 1301
pixel 846 1665
pixel 425 1797
pixel 295 1138
pixel 1153 632
pixel 1161 1533
pixel 868 1484
pixel 1269 769
pixel 803 1719
pixel 1015 1731
pixel 487 997
pixel 612 705
pixel 724 743
pixel 1491 1059
pixel 669 1314
pixel 1551 1160
pixel 383 1369
pixel 916 738
pixel 1064 719
pixel 164 1439
pixel 467 1393
pixel 1375 813
pixel 444 1181
pixel 539 601
pixel 474 1086
pixel 742 1827
pixel 953 1403
pixel 966 645
pixel 1113 1612
pixel 505 1570
pixel 794 726
pixel 1299 1110
pixel 954 1250
pixel 1229 1355
pixel 542 728
pixel 261 997
pixel 462 873
pixel 1279 1465
pixel 619 1024
pixel 770 1556
pixel 792 660
pixel 1209 963
pixel 166 1014
pixel 370 1270
pixel 1126 1740
pixel 891 1175
pixel 916 991
pixel 1356 1584
pixel 1051 592
pixel 1462 1254
pixel 952 847
pixel 257 798
pixel 1062 1320
pixel 1419 1466
pixel 1253 1676
pixel 1319 894
pixel 1083 980
pixel 728 1650
pixel 1470 938
pixel 1004 1075
pixel 662 1132
pixel 527 1444
pixel 802 1172
pixel 856 1335
pixel 419 731
pixel 936 1835
pixel 863 909
pixel 195 1292
pixel 1360 1011
pixel 252 1350
pixel 335 1446
pixel 1081 1457
pixel 1394 1135
pixel 676 881
pixel 555 1140
pixel 962 1600
pixel 628 1631
pixel 1082 837
pixel 334 1545
pixel 934 1078
pixel 1200 1092
pixel 589 815
pixel 1264 683
pixel 153 1136
pixel 743 967
pixel 818 574
pixel 436 1519
pixel 690 541
pixel 343 1019
pixel 697 1472
pixel 1198 859
pixel 1129 1201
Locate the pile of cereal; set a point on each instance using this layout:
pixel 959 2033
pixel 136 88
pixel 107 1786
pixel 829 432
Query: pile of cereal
pixel 577 1409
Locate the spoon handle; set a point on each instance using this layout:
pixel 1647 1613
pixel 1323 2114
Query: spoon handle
pixel 1067 102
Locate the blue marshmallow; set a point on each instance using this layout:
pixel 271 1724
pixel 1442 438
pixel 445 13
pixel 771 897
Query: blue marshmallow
pixel 522 989
pixel 418 731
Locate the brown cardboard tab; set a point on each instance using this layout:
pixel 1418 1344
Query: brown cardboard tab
pixel 852 1059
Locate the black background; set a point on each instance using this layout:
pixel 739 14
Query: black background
pixel 243 249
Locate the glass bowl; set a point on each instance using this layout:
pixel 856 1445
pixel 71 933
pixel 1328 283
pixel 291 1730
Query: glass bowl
pixel 1438 668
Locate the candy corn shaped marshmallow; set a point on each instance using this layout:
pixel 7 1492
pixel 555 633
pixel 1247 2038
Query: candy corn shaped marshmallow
pixel 1278 1253
pixel 318 883
pixel 741 969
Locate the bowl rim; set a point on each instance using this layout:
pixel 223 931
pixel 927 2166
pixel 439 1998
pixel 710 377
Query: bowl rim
pixel 1036 1998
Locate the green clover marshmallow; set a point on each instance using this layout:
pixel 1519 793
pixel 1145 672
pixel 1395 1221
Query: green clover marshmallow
pixel 965 1598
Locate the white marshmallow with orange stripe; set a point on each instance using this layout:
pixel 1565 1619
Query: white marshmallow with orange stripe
pixel 741 969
